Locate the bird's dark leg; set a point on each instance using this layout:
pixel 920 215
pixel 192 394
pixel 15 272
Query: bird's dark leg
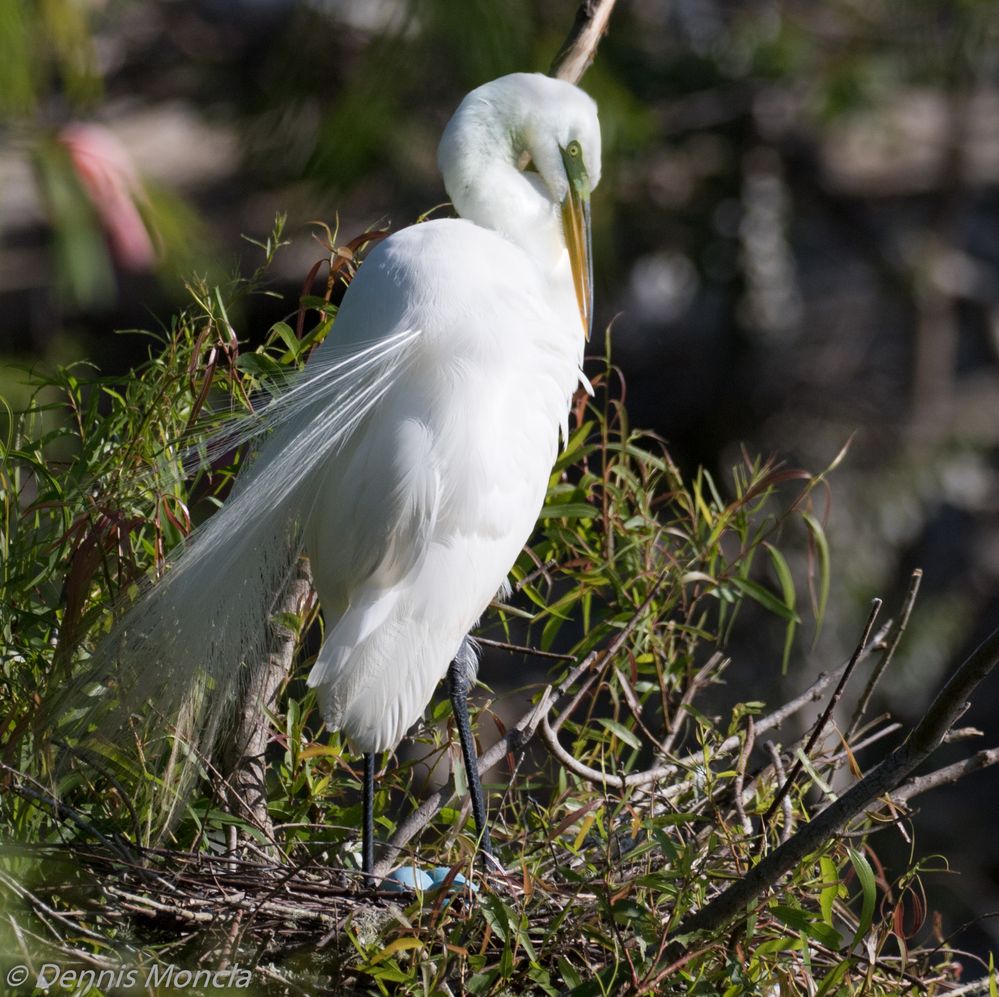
pixel 368 819
pixel 459 680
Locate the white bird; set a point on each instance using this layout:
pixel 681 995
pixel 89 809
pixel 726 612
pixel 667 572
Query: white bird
pixel 410 459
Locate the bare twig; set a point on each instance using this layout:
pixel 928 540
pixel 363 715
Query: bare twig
pixel 925 737
pixel 777 717
pixel 593 775
pixel 890 644
pixel 820 725
pixel 740 777
pixel 778 765
pixel 577 51
pixel 962 734
pixel 946 775
pixel 975 987
pixel 531 652
pixel 244 761
pixel 714 665
pixel 865 743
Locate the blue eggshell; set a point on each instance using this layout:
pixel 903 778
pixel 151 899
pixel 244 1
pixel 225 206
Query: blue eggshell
pixel 407 877
pixel 438 875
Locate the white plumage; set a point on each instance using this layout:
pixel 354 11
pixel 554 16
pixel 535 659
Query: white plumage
pixel 410 459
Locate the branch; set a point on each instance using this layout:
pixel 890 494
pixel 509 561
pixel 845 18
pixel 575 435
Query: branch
pixel 891 644
pixel 785 834
pixel 244 757
pixel 811 695
pixel 927 735
pixel 593 775
pixel 820 726
pixel 579 48
pixel 946 775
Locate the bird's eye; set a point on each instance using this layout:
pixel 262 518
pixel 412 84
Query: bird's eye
pixel 573 149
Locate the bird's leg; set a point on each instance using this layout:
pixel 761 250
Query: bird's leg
pixel 459 680
pixel 368 820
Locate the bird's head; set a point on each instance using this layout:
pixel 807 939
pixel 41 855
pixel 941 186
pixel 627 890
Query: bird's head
pixel 545 128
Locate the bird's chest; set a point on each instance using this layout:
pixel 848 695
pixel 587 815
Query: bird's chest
pixel 494 422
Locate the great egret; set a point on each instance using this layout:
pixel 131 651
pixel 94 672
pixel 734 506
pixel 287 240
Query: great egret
pixel 410 458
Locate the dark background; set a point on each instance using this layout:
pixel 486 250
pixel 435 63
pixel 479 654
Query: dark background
pixel 796 241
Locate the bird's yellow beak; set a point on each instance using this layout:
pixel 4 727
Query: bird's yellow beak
pixel 576 229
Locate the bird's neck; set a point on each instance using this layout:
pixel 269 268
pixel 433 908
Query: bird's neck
pixel 480 166
pixel 517 206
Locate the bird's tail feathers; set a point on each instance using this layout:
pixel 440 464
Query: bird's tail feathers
pixel 190 645
pixel 364 691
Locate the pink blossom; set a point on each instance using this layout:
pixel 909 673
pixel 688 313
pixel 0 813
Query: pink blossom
pixel 108 175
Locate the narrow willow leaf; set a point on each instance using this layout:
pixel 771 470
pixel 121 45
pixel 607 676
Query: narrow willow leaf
pixel 818 535
pixel 865 875
pixel 765 598
pixel 621 732
pixel 399 945
pixel 783 573
pixel 830 888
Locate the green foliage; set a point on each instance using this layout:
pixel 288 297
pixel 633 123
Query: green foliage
pixel 44 42
pixel 599 878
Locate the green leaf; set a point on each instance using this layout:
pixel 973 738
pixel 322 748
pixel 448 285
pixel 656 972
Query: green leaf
pixel 398 945
pixel 498 915
pixel 868 885
pixel 783 573
pixel 603 983
pixel 481 983
pixel 818 536
pixel 832 979
pixel 288 337
pixel 260 365
pixel 621 732
pixel 830 888
pixel 765 598
pixel 569 510
pixel 803 921
pixel 569 974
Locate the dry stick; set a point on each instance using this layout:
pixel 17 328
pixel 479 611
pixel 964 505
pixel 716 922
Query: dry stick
pixel 852 749
pixel 713 666
pixel 973 988
pixel 774 719
pixel 740 776
pixel 896 636
pixel 637 780
pixel 531 652
pixel 244 758
pixel 788 827
pixel 578 49
pixel 925 737
pixel 820 726
pixel 597 776
pixel 946 775
pixel 963 734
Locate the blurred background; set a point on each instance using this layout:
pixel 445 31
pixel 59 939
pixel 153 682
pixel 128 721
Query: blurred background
pixel 796 242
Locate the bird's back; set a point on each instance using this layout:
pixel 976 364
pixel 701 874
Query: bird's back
pixel 415 523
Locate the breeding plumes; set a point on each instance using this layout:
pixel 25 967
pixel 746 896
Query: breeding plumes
pixel 410 459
